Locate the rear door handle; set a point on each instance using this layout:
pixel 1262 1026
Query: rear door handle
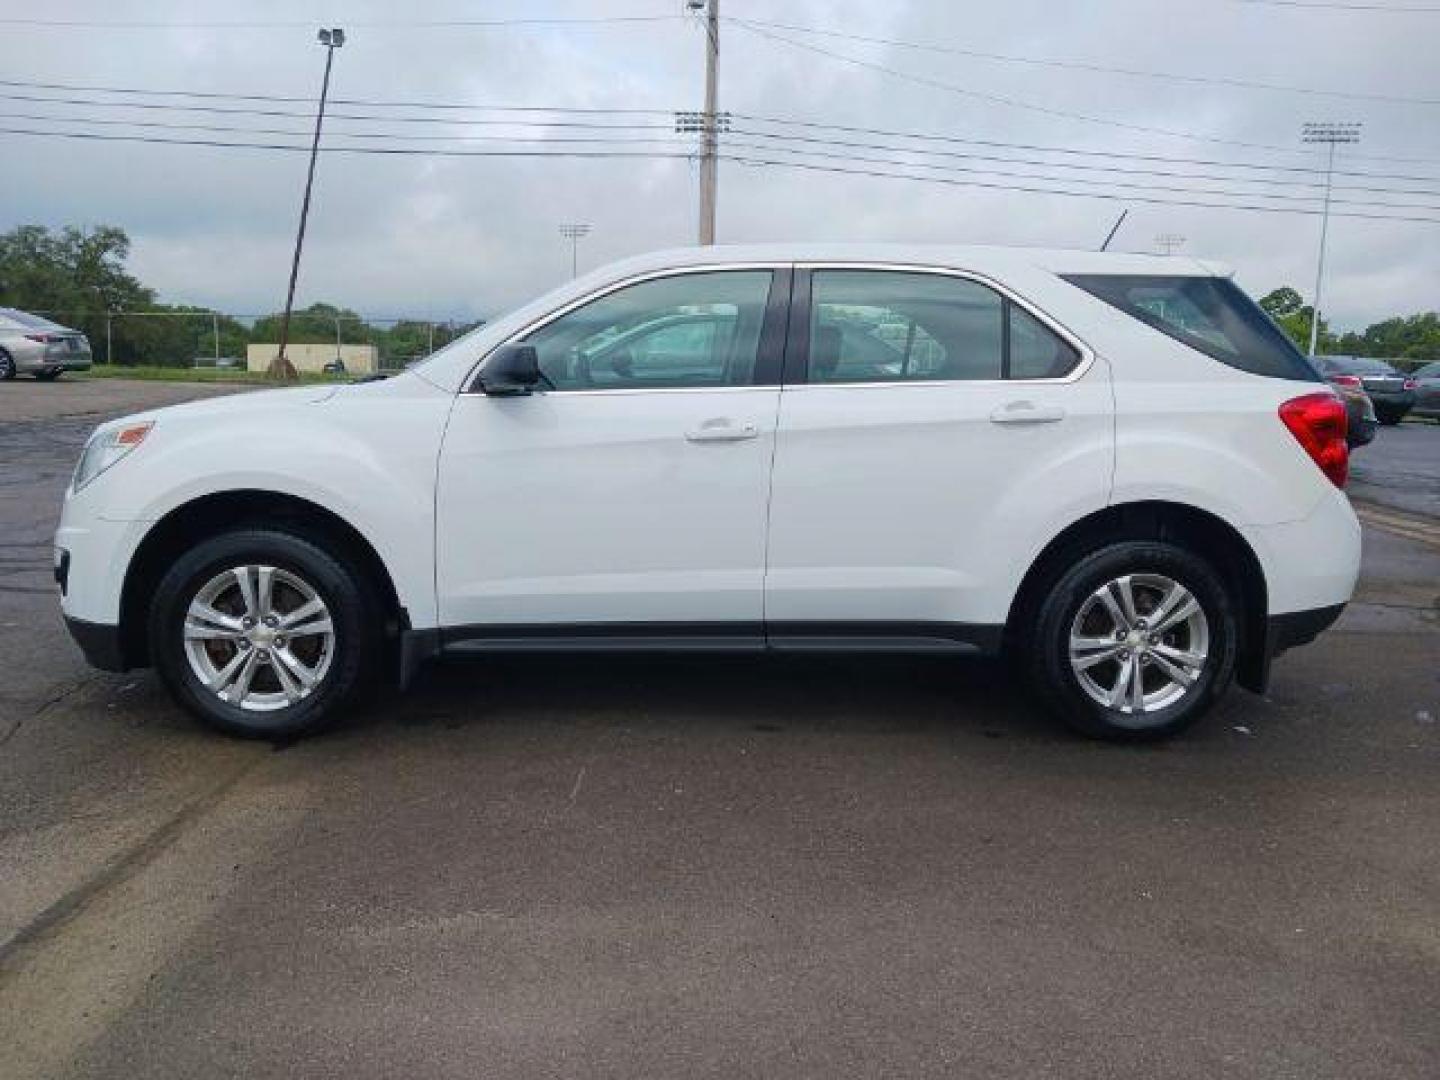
pixel 1027 412
pixel 722 429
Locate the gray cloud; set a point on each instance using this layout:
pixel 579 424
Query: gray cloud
pixel 469 236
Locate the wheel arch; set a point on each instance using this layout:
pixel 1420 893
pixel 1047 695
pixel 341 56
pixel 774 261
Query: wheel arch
pixel 219 512
pixel 1200 531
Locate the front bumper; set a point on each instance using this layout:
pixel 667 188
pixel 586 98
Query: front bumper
pixel 100 642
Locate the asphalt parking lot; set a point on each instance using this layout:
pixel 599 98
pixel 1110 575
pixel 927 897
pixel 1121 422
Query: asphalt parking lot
pixel 717 867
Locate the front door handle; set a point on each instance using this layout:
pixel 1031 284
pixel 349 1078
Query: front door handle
pixel 1027 412
pixel 722 429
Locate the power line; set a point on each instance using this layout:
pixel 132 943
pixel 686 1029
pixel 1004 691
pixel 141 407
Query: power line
pixel 222 110
pixel 820 154
pixel 997 99
pixel 231 129
pixel 1324 5
pixel 747 160
pixel 666 138
pixel 562 110
pixel 254 24
pixel 1077 65
pixel 741 159
pixel 1270 181
pixel 297 99
pixel 1109 183
pixel 398 151
pixel 1064 150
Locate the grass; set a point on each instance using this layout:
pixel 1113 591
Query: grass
pixel 156 373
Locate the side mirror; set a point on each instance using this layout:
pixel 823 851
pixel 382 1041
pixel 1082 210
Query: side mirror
pixel 510 370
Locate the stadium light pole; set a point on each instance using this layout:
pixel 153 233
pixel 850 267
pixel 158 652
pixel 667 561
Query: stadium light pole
pixel 280 367
pixel 574 232
pixel 1329 134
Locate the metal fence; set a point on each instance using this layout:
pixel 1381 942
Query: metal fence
pixel 205 338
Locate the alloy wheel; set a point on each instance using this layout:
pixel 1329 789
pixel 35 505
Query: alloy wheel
pixel 1138 644
pixel 259 638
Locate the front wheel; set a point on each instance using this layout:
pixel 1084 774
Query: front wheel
pixel 1135 641
pixel 262 634
pixel 7 366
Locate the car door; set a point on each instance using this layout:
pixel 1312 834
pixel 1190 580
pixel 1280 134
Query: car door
pixel 934 434
pixel 629 496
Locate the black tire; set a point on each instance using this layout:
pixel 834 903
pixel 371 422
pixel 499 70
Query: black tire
pixel 1389 418
pixel 47 376
pixel 7 366
pixel 354 614
pixel 1049 649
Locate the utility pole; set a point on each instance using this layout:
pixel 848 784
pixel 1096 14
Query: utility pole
pixel 710 133
pixel 215 331
pixel 1169 242
pixel 573 232
pixel 1330 134
pixel 280 367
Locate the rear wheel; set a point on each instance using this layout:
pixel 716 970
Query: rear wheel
pixel 1135 641
pixel 262 634
pixel 47 376
pixel 7 366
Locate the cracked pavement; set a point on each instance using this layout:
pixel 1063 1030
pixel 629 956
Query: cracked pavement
pixel 795 866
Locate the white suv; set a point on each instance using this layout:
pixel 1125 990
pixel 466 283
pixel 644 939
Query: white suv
pixel 1113 468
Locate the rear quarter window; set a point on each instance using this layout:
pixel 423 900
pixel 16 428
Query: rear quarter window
pixel 1211 315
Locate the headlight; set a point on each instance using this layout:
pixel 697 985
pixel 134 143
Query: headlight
pixel 107 447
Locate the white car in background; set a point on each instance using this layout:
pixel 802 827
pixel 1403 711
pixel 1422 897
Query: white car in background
pixel 33 345
pixel 1113 467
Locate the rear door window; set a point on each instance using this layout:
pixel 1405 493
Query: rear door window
pixel 883 326
pixel 1211 315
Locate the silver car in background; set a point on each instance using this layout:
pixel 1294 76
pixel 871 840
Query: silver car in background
pixel 31 345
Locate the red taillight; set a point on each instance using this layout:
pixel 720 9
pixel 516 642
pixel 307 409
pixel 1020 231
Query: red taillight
pixel 1347 380
pixel 1318 423
pixel 1410 384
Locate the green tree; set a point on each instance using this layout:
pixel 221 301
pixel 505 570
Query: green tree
pixel 1415 338
pixel 1289 310
pixel 314 325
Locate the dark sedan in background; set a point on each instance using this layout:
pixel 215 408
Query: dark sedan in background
pixel 1390 390
pixel 1427 390
pixel 1361 422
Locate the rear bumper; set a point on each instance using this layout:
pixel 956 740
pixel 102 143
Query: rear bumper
pixel 1362 431
pixel 1299 627
pixel 1282 632
pixel 100 642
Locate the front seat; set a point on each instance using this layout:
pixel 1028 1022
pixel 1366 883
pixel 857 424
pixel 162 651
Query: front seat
pixel 825 353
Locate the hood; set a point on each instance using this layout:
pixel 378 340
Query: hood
pixel 234 404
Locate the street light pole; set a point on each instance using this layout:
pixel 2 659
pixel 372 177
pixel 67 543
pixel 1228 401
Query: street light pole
pixel 1329 134
pixel 573 233
pixel 280 367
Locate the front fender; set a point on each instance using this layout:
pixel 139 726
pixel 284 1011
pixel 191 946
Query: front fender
pixel 369 459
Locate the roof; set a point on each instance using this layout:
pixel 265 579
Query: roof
pixel 977 258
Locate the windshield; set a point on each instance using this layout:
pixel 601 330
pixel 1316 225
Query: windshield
pixel 25 319
pixel 1358 365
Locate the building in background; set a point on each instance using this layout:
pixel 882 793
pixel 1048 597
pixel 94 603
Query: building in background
pixel 358 359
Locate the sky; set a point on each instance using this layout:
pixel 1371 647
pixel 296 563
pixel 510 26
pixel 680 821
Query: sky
pixel 437 237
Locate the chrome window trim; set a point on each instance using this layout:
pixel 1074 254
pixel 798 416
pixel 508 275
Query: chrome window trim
pixel 1087 354
pixel 604 291
pixel 1075 374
